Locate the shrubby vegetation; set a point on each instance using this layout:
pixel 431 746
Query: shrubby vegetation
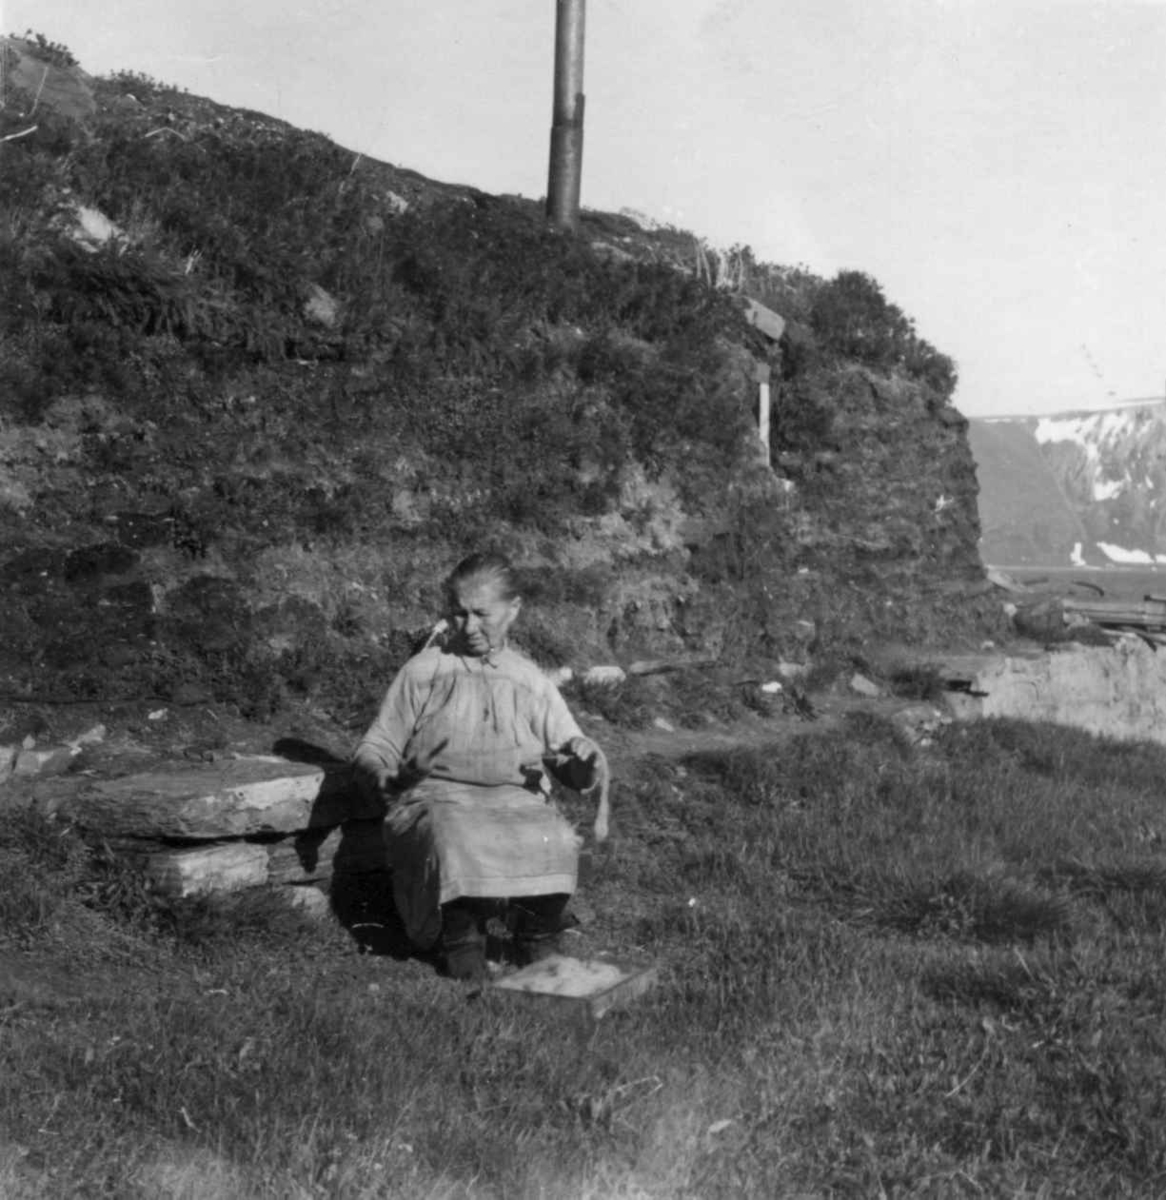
pixel 473 377
pixel 56 53
pixel 847 318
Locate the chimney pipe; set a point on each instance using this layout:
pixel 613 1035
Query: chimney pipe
pixel 566 165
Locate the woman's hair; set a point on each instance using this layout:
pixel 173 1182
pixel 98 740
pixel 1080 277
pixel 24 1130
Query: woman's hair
pixel 488 565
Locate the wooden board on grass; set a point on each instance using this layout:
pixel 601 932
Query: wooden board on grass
pixel 588 986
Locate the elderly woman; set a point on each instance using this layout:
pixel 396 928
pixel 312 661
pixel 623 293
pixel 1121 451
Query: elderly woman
pixel 458 752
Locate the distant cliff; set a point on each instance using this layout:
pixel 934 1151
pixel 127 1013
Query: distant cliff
pixel 1073 488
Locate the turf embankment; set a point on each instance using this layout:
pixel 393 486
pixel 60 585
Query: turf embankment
pixel 246 432
pixel 886 971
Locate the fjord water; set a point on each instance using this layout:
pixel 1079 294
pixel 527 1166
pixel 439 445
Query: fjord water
pixel 1116 583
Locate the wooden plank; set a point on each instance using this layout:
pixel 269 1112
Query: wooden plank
pixel 1149 613
pixel 765 319
pixel 234 798
pixel 659 666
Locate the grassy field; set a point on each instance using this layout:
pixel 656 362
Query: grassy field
pixel 884 971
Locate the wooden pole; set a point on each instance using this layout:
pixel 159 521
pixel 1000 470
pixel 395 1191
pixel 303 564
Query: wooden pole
pixel 762 377
pixel 566 165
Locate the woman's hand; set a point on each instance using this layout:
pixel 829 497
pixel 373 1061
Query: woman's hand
pixel 418 767
pixel 383 783
pixel 589 756
pixel 597 777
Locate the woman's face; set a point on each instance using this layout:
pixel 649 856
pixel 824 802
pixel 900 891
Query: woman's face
pixel 481 616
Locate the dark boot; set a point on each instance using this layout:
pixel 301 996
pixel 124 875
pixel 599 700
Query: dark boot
pixel 463 941
pixel 537 927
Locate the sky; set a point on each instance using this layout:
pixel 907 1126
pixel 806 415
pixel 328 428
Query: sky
pixel 999 166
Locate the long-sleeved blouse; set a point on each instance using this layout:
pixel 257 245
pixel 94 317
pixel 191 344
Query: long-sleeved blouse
pixel 482 720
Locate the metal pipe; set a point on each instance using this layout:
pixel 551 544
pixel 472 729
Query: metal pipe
pixel 565 175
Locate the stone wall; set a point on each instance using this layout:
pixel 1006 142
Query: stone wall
pixel 1115 691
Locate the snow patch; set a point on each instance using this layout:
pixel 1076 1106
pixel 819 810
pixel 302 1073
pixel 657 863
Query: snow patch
pixel 1119 554
pixel 1075 556
pixel 1087 431
pixel 1106 489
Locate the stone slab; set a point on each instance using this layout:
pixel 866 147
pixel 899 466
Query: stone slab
pixel 316 854
pixel 234 798
pixel 229 867
pixel 7 761
pixel 44 760
pixel 311 856
pixel 1116 691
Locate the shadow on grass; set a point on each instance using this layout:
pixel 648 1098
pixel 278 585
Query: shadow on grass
pixel 1007 987
pixel 361 892
pixel 297 750
pixel 363 903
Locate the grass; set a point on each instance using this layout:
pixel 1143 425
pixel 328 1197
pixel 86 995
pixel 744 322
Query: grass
pixel 883 972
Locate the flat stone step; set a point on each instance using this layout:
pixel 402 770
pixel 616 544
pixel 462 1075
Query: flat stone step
pixel 178 874
pixel 236 798
pixel 313 856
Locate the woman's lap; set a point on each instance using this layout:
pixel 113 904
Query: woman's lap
pixel 450 841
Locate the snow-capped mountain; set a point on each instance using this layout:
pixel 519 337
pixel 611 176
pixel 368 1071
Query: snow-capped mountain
pixel 1074 488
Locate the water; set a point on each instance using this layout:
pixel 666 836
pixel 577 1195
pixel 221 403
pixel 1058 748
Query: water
pixel 1116 583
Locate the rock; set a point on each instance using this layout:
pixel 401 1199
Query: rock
pixel 48 760
pixel 296 862
pixel 1042 620
pixel 789 671
pixel 604 676
pixel 321 307
pixel 805 631
pixel 229 867
pixel 92 229
pixel 7 761
pixel 316 854
pixel 861 686
pixel 91 737
pixel 919 723
pixel 236 798
pixel 187 694
pixel 310 901
pixel 664 725
pixel 611 253
pixel 1115 691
